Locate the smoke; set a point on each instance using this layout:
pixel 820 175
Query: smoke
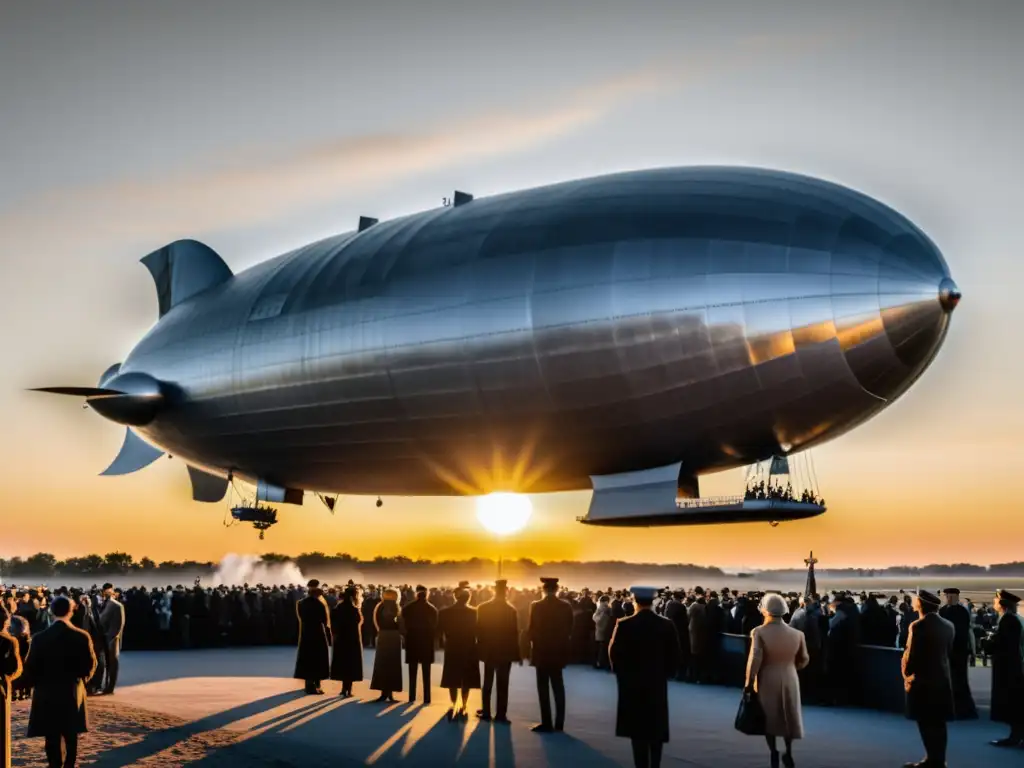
pixel 250 569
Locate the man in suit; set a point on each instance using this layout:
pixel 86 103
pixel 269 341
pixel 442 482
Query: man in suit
pixel 927 679
pixel 675 611
pixel 960 618
pixel 498 645
pixel 59 662
pixel 1007 653
pixel 313 660
pixel 111 619
pixel 418 622
pixel 549 637
pixel 10 670
pixel 645 655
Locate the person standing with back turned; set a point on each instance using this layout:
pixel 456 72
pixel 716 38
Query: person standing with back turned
pixel 549 636
pixel 645 655
pixel 927 678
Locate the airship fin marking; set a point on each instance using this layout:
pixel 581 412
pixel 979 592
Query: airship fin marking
pixel 365 222
pixel 183 269
pixel 206 487
pixel 135 454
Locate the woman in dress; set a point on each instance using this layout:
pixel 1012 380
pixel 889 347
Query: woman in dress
pixel 777 651
pixel 387 663
pixel 347 623
pixel 461 671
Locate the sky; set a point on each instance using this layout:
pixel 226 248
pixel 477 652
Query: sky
pixel 258 126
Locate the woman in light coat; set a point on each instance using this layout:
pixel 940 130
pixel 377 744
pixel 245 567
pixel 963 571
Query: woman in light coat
pixel 604 624
pixel 777 651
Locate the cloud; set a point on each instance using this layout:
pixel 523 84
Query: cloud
pixel 244 191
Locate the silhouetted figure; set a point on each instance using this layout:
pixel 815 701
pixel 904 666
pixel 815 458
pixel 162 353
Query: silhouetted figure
pixel 549 635
pixel 1007 653
pixel 807 619
pixel 604 625
pixel 111 620
pixel 419 626
pixel 60 661
pixel 927 678
pixel 387 662
pixel 313 660
pixel 675 611
pixel 497 632
pixel 461 671
pixel 960 618
pixel 843 651
pixel 701 644
pixel 346 626
pixel 10 670
pixel 369 607
pixel 644 653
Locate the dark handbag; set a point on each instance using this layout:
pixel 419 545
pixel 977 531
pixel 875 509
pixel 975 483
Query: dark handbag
pixel 750 717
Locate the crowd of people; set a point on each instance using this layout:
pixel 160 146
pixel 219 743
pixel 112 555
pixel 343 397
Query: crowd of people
pixel 761 490
pixel 819 637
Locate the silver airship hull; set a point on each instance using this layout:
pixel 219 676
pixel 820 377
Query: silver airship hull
pixel 704 318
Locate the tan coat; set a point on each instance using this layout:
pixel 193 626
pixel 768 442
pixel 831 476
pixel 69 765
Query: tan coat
pixel 777 651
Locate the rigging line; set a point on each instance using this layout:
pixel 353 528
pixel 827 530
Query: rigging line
pixel 814 474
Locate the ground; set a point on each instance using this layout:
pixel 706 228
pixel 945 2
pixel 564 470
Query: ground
pixel 212 709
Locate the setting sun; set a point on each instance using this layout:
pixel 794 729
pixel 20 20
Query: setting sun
pixel 503 513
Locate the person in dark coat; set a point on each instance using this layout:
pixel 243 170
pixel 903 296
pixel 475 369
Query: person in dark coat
pixel 497 633
pixel 1007 653
pixel 675 611
pixel 418 623
pixel 644 652
pixel 548 638
pixel 960 618
pixel 461 671
pixel 111 621
pixel 60 661
pixel 313 660
pixel 927 679
pixel 347 626
pixel 387 661
pixel 10 670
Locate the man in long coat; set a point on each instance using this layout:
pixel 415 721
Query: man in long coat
pixel 313 662
pixel 549 636
pixel 645 655
pixel 346 626
pixel 675 611
pixel 418 622
pixel 10 670
pixel 927 679
pixel 111 619
pixel 461 671
pixel 497 631
pixel 1007 654
pixel 59 662
pixel 960 618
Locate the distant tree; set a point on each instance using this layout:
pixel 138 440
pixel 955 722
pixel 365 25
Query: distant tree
pixel 41 564
pixel 272 558
pixel 118 562
pixel 145 564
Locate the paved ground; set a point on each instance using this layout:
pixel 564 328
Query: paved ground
pixel 233 707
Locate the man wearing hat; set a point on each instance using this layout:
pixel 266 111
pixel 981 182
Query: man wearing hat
pixel 313 660
pixel 111 618
pixel 10 670
pixel 548 638
pixel 418 623
pixel 1007 653
pixel 644 653
pixel 959 617
pixel 675 611
pixel 498 646
pixel 926 677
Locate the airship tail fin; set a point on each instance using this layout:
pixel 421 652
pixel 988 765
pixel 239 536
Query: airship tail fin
pixel 135 454
pixel 183 269
pixel 207 487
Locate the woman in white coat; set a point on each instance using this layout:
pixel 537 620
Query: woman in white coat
pixel 777 651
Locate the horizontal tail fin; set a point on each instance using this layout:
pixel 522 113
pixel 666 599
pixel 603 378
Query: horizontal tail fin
pixel 183 269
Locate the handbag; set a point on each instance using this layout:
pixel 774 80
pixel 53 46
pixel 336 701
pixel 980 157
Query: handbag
pixel 750 717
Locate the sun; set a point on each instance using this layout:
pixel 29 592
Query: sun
pixel 503 513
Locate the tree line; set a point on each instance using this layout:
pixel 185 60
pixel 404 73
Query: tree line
pixel 46 565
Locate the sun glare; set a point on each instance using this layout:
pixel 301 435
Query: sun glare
pixel 503 513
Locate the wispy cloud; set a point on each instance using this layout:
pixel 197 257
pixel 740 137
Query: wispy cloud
pixel 244 191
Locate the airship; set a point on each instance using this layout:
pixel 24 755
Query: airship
pixel 626 333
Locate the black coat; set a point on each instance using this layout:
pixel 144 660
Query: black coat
pixel 347 659
pixel 1007 653
pixel 419 625
pixel 10 664
pixel 61 659
pixel 960 618
pixel 644 652
pixel 457 624
pixel 926 674
pixel 675 612
pixel 313 661
pixel 550 632
pixel 497 632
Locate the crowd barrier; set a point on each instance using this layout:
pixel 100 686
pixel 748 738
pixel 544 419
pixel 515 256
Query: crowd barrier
pixel 880 677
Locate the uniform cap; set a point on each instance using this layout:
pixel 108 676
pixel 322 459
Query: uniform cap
pixel 951 591
pixel 549 581
pixel 313 583
pixel 928 597
pixel 501 583
pixel 1006 597
pixel 644 593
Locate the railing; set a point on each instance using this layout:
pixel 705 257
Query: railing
pixel 711 501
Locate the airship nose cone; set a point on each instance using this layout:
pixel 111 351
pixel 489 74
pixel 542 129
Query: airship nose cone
pixel 949 294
